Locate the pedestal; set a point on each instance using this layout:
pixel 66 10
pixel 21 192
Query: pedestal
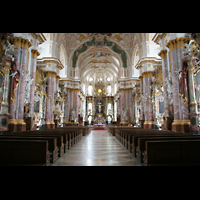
pixel 177 126
pixel 50 125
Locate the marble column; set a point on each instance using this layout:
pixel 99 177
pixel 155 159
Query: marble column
pixel 176 125
pixel 76 103
pixel 12 123
pixel 48 101
pixel 145 89
pixel 34 54
pixel 150 115
pixel 67 105
pixel 122 103
pixel 141 101
pixel 16 122
pixel 71 100
pixel 5 102
pixel 184 105
pixel 53 83
pixel 4 111
pixel 181 111
pixel 165 71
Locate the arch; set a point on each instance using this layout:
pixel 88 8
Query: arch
pixel 83 47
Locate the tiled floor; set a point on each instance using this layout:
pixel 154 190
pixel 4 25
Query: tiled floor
pixel 99 148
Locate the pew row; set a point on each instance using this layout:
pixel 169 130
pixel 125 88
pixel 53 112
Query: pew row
pixel 58 142
pixel 24 152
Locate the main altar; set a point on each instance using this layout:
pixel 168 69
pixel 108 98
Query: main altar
pixel 99 107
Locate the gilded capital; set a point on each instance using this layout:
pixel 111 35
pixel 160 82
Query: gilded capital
pixel 34 53
pixel 20 42
pixel 163 54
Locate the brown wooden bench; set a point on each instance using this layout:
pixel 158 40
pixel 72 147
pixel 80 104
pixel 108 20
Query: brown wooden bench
pixel 52 143
pixel 24 152
pixel 38 133
pixel 172 152
pixel 134 139
pixel 142 143
pixel 85 129
pixel 128 138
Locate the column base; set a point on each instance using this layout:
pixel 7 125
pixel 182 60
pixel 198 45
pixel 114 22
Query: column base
pixel 50 125
pixel 123 123
pixel 181 126
pixel 15 125
pixel 21 125
pixel 148 124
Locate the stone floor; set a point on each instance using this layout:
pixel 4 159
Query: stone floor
pixel 99 148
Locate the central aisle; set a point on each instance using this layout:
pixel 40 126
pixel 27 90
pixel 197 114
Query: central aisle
pixel 99 148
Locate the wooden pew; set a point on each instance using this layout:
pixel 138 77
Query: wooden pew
pixel 128 138
pixel 24 152
pixel 36 133
pixel 85 129
pixel 142 143
pixel 172 152
pixel 134 139
pixel 52 143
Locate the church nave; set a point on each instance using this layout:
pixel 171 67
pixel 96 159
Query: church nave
pixel 99 148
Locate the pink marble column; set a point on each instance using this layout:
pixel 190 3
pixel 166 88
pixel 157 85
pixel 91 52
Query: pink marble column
pixel 13 105
pixel 145 88
pixel 76 103
pixel 48 97
pixel 175 83
pixel 68 106
pixel 32 88
pixel 53 79
pixel 122 103
pixel 72 100
pixel 165 71
pixel 21 93
pixel 141 99
pixel 150 115
pixel 184 106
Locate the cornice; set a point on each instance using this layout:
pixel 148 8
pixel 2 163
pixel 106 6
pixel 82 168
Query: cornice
pixel 152 60
pixel 47 60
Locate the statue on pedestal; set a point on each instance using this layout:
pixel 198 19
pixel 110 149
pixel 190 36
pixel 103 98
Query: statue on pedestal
pixel 124 116
pixel 73 115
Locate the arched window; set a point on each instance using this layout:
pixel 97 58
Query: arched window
pixel 109 90
pixel 90 90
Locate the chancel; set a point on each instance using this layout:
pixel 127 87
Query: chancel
pixel 137 93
